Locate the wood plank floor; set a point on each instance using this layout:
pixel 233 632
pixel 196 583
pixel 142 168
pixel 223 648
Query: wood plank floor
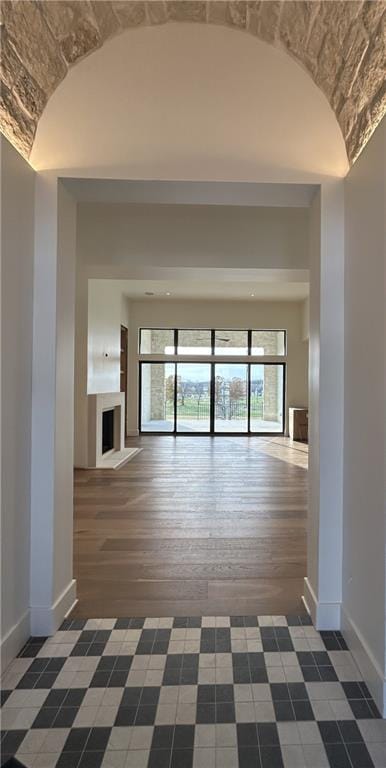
pixel 193 526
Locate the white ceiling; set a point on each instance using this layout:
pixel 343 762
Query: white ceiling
pixel 214 290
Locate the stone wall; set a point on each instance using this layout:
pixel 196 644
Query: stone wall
pixel 340 43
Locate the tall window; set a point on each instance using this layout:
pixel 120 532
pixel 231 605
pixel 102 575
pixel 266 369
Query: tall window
pixel 212 381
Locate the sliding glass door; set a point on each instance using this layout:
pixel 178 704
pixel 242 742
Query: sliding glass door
pixel 212 398
pixel 230 397
pixel 193 397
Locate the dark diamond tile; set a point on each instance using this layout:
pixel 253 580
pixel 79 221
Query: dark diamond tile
pixel 182 758
pixel 78 624
pixel 96 649
pixel 91 760
pixel 237 621
pixel 361 709
pixel 247 734
pixel 183 737
pixel 256 660
pixel 250 621
pixel 206 694
pixel 131 697
pixel 283 711
pixel 69 760
pixel 150 696
pixel 349 731
pixel 46 680
pixel 267 734
pixel 65 717
pixel 180 622
pixel 145 715
pixel 107 663
pixel 327 674
pixel 87 636
pixel 122 624
pixel 189 676
pixel 174 661
pixel 160 648
pixel 284 645
pixel 102 635
pixel 282 633
pixel 159 758
pixel 12 740
pixel 322 659
pixel 100 679
pixel 206 713
pixel 163 737
pixel 249 757
pixel 98 739
pixel 353 690
pixel 125 716
pixel 259 675
pixel 28 681
pixel 240 660
pixel 75 697
pixel 298 691
pixel 359 756
pixel 225 713
pixel 118 679
pixel 306 658
pixel 123 663
pixel 76 740
pixel 311 674
pixel 270 645
pixel 136 623
pixel 224 693
pixel 148 636
pixel 303 710
pixel 293 621
pixel 46 717
pixel 271 757
pixel 280 691
pixel 267 633
pixel 56 697
pixel 4 696
pixel 337 756
pixel 80 649
pixel 194 622
pixel 241 675
pixel 190 660
pixel 171 677
pixel 38 666
pixel 330 732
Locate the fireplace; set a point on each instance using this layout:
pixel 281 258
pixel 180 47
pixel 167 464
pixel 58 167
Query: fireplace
pixel 108 430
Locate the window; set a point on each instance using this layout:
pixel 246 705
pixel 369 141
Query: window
pixel 268 343
pixel 231 343
pixel 194 342
pixel 156 341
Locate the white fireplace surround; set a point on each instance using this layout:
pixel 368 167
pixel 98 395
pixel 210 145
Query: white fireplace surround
pixel 97 404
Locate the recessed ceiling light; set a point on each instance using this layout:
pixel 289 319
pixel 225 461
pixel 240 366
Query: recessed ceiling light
pixel 149 293
pixel 252 294
pixel 167 293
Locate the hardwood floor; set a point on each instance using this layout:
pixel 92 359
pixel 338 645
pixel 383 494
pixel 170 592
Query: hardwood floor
pixel 193 526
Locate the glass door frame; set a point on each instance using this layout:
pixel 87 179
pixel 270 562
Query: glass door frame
pixel 212 363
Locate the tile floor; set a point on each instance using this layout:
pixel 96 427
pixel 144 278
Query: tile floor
pixel 211 692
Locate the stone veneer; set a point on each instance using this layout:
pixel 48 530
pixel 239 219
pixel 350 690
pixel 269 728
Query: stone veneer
pixel 340 43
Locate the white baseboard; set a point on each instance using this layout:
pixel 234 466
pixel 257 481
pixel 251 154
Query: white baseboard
pixel 324 615
pixel 368 666
pixel 45 620
pixel 132 432
pixel 14 640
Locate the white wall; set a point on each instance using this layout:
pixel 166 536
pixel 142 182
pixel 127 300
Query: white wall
pixel 53 589
pixel 222 314
pixel 106 307
pixel 17 249
pixel 127 236
pixel 365 412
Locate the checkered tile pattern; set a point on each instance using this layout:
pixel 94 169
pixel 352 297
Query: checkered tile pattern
pixel 210 692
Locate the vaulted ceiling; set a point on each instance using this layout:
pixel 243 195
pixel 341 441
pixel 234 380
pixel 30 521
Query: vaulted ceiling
pixel 341 44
